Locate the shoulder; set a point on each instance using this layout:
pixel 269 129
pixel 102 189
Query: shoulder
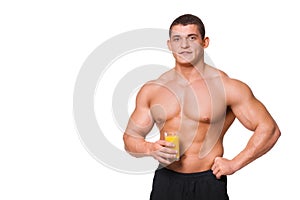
pixel 236 90
pixel 150 88
pixel 161 81
pixel 229 83
pixel 213 72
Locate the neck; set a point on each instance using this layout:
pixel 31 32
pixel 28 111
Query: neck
pixel 191 72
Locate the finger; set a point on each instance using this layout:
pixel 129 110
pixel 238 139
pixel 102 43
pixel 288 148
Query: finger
pixel 163 158
pixel 167 155
pixel 218 175
pixel 213 167
pixel 215 171
pixel 163 161
pixel 217 159
pixel 165 152
pixel 168 150
pixel 165 143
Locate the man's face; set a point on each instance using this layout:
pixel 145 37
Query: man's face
pixel 186 44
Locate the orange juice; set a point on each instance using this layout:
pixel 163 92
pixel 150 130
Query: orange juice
pixel 171 137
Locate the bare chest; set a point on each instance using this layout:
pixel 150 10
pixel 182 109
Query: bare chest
pixel 200 101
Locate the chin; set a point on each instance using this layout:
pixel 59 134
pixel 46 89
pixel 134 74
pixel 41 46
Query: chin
pixel 185 62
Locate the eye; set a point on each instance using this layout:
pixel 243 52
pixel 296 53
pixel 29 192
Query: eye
pixel 192 38
pixel 176 39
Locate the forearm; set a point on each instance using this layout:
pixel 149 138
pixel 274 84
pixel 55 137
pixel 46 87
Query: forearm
pixel 136 146
pixel 260 143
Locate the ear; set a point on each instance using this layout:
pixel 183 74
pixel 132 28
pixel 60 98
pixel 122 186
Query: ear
pixel 169 45
pixel 205 42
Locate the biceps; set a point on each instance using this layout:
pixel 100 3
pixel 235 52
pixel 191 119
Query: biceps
pixel 140 123
pixel 251 113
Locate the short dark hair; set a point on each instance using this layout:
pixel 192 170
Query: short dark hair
pixel 187 19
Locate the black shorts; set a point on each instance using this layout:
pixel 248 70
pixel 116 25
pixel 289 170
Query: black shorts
pixel 171 185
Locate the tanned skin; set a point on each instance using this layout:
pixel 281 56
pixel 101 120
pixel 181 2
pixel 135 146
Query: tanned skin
pixel 199 103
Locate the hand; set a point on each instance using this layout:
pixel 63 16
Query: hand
pixel 222 166
pixel 162 151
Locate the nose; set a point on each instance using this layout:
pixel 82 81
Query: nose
pixel 184 43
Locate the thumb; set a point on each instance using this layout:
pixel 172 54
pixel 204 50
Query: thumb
pixel 217 159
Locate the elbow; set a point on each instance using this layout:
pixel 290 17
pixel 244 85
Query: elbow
pixel 276 133
pixel 127 147
pixel 125 141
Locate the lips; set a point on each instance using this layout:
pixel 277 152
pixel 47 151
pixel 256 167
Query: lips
pixel 186 55
pixel 185 52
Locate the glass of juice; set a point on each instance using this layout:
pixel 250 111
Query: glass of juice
pixel 173 137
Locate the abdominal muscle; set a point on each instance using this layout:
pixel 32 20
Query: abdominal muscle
pixel 199 145
pixel 193 160
pixel 201 140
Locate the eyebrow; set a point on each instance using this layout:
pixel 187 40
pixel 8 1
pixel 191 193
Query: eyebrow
pixel 193 34
pixel 189 35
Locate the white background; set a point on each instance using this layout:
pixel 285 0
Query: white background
pixel 43 46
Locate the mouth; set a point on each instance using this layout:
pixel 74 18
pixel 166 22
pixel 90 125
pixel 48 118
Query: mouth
pixel 185 52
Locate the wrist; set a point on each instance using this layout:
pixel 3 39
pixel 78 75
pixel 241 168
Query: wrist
pixel 149 148
pixel 235 165
pixel 239 162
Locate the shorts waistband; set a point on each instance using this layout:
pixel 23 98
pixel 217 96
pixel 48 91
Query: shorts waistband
pixel 180 174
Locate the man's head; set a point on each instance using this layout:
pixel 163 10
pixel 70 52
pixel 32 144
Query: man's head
pixel 187 40
pixel 186 20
